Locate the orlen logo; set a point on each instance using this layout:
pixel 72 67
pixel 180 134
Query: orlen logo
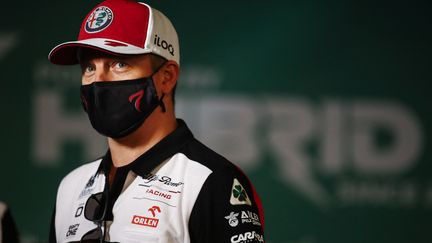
pixel 247 237
pixel 147 221
pixel 164 44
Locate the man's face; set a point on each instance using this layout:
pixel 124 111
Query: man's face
pixel 99 66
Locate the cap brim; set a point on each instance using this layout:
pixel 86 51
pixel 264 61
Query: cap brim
pixel 67 53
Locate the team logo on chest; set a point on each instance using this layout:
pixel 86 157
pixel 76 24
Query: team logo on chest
pixel 99 19
pixel 239 195
pixel 162 179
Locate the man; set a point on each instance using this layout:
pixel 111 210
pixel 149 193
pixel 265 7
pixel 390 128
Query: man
pixel 156 183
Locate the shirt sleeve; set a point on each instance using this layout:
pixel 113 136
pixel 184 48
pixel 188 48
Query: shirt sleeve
pixel 227 210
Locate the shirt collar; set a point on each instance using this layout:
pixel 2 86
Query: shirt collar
pixel 160 152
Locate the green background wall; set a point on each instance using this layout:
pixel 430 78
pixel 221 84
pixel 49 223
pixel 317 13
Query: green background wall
pixel 325 104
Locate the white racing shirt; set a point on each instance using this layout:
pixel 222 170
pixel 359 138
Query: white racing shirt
pixel 178 191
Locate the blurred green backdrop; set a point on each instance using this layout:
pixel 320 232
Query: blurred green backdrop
pixel 325 104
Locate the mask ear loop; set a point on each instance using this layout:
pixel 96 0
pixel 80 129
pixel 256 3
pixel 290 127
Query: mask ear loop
pixel 161 103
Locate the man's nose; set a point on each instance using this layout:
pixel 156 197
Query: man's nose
pixel 101 75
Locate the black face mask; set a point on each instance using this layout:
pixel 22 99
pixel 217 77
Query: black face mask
pixel 118 108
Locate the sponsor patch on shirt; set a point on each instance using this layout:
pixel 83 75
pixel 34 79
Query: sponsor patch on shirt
pixel 89 187
pixel 155 191
pixel 239 195
pixel 246 217
pixel 247 237
pixel 72 230
pixel 232 219
pixel 148 221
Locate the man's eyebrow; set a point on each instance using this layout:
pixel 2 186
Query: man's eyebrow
pixel 84 62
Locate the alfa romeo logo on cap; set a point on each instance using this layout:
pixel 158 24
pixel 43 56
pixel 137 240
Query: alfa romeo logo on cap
pixel 99 19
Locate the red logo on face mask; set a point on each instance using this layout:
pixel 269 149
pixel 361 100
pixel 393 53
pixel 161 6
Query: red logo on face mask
pixel 138 97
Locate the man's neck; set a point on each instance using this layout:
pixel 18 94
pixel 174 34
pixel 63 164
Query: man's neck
pixel 154 129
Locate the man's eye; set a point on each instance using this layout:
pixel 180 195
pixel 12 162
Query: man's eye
pixel 120 65
pixel 89 69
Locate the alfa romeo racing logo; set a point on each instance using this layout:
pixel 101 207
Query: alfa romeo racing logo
pixel 99 19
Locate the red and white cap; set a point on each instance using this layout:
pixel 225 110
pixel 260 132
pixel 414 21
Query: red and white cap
pixel 124 27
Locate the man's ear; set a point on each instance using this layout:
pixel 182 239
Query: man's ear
pixel 169 75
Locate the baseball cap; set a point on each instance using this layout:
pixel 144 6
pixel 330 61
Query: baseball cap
pixel 121 27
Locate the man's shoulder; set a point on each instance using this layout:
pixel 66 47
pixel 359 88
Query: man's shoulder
pixel 207 157
pixel 81 172
pixel 223 171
